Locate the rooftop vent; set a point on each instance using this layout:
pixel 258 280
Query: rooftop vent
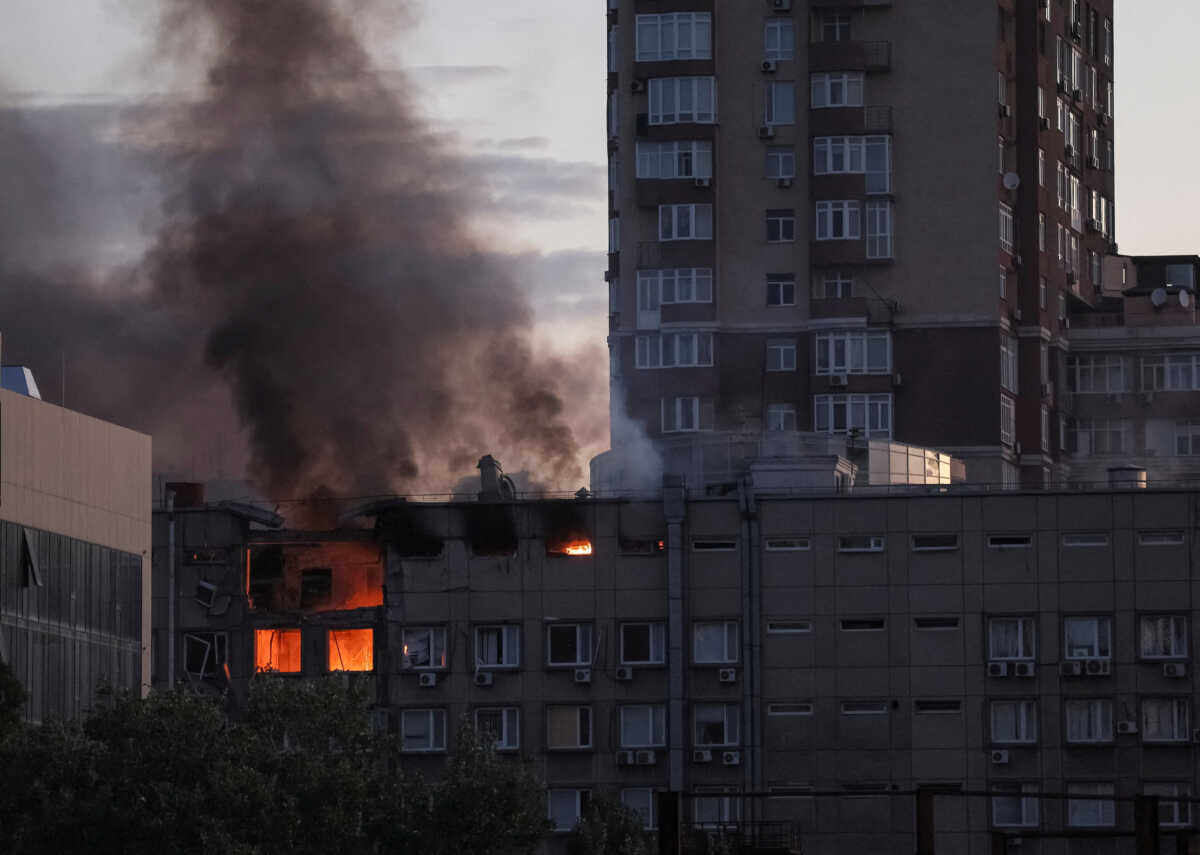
pixel 494 485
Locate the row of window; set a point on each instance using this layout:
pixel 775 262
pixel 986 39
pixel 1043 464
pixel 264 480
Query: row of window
pixel 869 156
pixel 1113 374
pixel 668 286
pixel 868 415
pixel 688 36
pixel 841 352
pixel 693 100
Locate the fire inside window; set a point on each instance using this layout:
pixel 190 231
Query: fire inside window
pixel 351 650
pixel 570 546
pixel 277 650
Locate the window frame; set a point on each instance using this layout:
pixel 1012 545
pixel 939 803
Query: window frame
pixel 510 638
pixel 656 721
pixel 510 721
pixel 824 84
pixel 433 632
pixel 433 714
pixel 732 641
pixel 1100 639
pixel 1022 621
pixel 1181 728
pixel 583 721
pixel 1091 720
pixel 584 632
pixel 1103 804
pixel 653 629
pixel 696 22
pixel 582 797
pixel 727 709
pixel 1025 721
pixel 1175 621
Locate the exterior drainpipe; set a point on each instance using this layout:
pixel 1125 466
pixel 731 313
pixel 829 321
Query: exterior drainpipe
pixel 751 643
pixel 170 589
pixel 675 510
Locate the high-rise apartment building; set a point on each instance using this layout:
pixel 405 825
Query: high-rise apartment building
pixel 858 214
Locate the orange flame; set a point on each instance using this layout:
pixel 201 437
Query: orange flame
pixel 277 650
pixel 351 650
pixel 579 547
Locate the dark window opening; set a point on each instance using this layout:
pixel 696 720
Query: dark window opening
pixel 206 556
pixel 205 654
pixel 863 625
pixel 934 542
pixel 640 545
pixel 316 587
pixel 29 558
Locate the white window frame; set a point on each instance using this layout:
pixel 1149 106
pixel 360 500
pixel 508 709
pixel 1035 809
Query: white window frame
pixel 1175 711
pixel 1007 228
pixel 730 643
pixel 862 543
pixel 730 716
pixel 656 642
pixel 678 159
pixel 1009 374
pixel 674 350
pixel 781 162
pixel 874 409
pixel 839 155
pixel 835 285
pixel 864 707
pixel 783 222
pixel 632 798
pixel 849 352
pixel 583 724
pixel 672 285
pixel 1104 808
pixel 838 219
pixel 1174 805
pixel 1008 420
pixel 685 221
pixel 779 106
pixel 665 98
pixel 1027 806
pixel 779 39
pixel 879 228
pixel 583 645
pixel 1100 631
pixel 435 643
pixel 655 722
pixel 509 739
pixel 509 638
pixel 581 798
pixel 1026 637
pixel 781 418
pixel 781 355
pixel 658 46
pixel 781 289
pixel 1087 721
pixel 793 710
pixel 1097 374
pixel 435 719
pixel 1164 631
pixel 687 415
pixel 1024 718
pixel 836 89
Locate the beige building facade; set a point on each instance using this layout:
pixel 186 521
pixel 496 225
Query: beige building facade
pixel 75 516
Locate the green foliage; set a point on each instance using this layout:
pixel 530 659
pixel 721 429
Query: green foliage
pixel 301 772
pixel 12 698
pixel 608 827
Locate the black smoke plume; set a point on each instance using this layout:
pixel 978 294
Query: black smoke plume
pixel 313 266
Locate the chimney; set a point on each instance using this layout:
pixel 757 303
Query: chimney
pixel 494 485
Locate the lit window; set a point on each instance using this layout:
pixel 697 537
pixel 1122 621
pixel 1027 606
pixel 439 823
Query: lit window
pixel 424 647
pixel 277 650
pixel 352 649
pixel 423 730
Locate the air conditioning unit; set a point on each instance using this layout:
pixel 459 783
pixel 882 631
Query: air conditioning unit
pixel 784 183
pixel 646 758
pixel 766 132
pixel 625 673
pixel 731 758
pixel 1174 670
pixel 427 680
pixel 701 756
pixel 484 678
pixel 1044 123
pixel 583 675
pixel 703 182
pixel 1070 669
pixel 769 65
pixel 838 379
pixel 997 669
pixel 1000 757
pixel 625 758
pixel 1127 727
pixel 1005 111
pixel 1098 667
pixel 727 675
pixel 781 5
pixel 1024 669
pixel 638 85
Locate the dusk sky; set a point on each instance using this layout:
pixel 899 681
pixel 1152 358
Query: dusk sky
pixel 522 84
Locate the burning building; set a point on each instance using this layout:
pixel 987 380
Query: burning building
pixel 756 650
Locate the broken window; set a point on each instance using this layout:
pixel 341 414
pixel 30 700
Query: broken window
pixel 277 650
pixel 205 654
pixel 206 594
pixel 316 587
pixel 206 556
pixel 424 647
pixel 640 545
pixel 352 649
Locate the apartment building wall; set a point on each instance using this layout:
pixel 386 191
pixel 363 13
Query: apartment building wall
pixel 74 570
pixel 946 290
pixel 878 648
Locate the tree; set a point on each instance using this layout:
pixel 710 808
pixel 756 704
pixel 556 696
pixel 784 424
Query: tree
pixel 302 772
pixel 609 827
pixel 12 698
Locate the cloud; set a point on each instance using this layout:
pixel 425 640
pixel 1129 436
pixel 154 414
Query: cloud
pixel 522 143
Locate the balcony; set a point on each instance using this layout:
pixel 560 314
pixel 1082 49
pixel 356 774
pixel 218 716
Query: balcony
pixel 850 56
pixel 835 121
pixel 744 838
